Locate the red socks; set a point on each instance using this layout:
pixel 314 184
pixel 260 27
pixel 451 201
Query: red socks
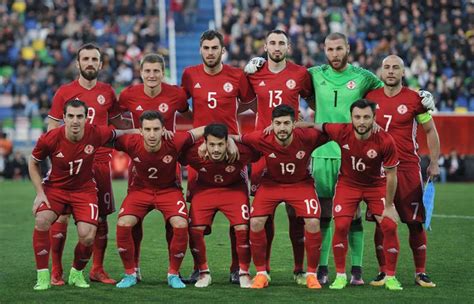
pixel 126 248
pixel 378 241
pixel 297 235
pixel 41 247
pixel 100 244
pixel 57 233
pixel 178 247
pixel 198 248
pixel 313 246
pixel 270 233
pixel 340 243
pixel 417 241
pixel 82 255
pixel 233 250
pixel 137 234
pixel 243 249
pixel 391 245
pixel 258 244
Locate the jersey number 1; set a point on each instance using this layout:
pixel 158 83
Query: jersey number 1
pixel 335 98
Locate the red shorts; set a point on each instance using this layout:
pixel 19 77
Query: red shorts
pixel 301 196
pixel 232 201
pixel 105 195
pixel 256 174
pixel 82 204
pixel 169 201
pixel 409 196
pixel 347 199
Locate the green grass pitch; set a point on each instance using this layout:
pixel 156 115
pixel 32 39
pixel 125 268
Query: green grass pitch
pixel 450 260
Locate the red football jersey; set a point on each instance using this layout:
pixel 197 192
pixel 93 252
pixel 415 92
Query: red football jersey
pixel 286 165
pixel 362 161
pixel 171 99
pixel 216 97
pixel 100 100
pixel 397 115
pixel 220 174
pixel 273 89
pixel 155 170
pixel 71 162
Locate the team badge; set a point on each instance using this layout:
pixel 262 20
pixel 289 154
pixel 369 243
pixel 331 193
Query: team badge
pixel 290 84
pixel 163 108
pixel 300 154
pixel 372 153
pixel 351 85
pixel 167 159
pixel 228 87
pixel 402 109
pixel 337 208
pixel 229 169
pixel 89 149
pixel 101 99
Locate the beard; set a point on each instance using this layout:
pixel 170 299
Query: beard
pixel 392 83
pixel 277 59
pixel 283 136
pixel 216 62
pixel 342 64
pixel 367 130
pixel 89 74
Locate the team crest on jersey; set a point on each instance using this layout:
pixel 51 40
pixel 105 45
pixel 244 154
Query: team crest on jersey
pixel 337 208
pixel 89 149
pixel 228 87
pixel 101 99
pixel 351 85
pixel 300 154
pixel 372 153
pixel 167 159
pixel 163 108
pixel 402 109
pixel 290 84
pixel 229 169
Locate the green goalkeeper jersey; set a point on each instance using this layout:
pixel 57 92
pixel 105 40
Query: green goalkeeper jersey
pixel 334 93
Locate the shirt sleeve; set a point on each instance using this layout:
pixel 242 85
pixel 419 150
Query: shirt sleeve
pixel 390 155
pixel 423 118
pixel 106 134
pixel 56 111
pixel 182 101
pixel 183 140
pixel 246 93
pixel 247 154
pixel 332 130
pixel 316 138
pixel 41 150
pixel 122 101
pixel 186 83
pixel 252 139
pixel 120 144
pixel 307 89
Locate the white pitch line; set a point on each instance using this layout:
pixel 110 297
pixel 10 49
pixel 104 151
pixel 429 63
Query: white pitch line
pixel 464 217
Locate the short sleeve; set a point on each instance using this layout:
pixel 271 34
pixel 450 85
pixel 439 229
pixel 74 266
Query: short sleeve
pixel 390 155
pixel 186 83
pixel 183 140
pixel 56 111
pixel 106 134
pixel 41 150
pixel 182 100
pixel 247 154
pixel 315 137
pixel 121 143
pixel 333 130
pixel 246 93
pixel 252 139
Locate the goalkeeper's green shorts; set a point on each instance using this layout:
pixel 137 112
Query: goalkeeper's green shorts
pixel 325 171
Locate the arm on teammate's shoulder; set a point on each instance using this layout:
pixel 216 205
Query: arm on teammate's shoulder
pixel 53 123
pixel 309 124
pixel 188 114
pixel 120 122
pixel 197 133
pixel 432 140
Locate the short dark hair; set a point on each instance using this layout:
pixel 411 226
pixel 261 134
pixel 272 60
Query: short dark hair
pixel 88 46
pixel 278 32
pixel 211 34
pixel 364 103
pixel 217 130
pixel 336 36
pixel 152 115
pixel 153 58
pixel 75 103
pixel 283 110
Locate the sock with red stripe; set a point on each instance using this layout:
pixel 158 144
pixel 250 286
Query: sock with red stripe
pixel 126 248
pixel 418 245
pixel 270 233
pixel 178 246
pixel 137 234
pixel 312 244
pixel 100 245
pixel 243 249
pixel 82 255
pixel 258 246
pixel 391 245
pixel 41 247
pixel 198 248
pixel 379 249
pixel 58 233
pixel 340 243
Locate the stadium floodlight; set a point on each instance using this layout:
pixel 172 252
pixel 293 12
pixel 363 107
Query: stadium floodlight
pixel 428 202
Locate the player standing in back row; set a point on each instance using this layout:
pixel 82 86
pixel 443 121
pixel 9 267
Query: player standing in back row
pixel 216 90
pixel 399 113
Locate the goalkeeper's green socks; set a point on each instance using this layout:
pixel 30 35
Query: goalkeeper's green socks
pixel 356 242
pixel 326 232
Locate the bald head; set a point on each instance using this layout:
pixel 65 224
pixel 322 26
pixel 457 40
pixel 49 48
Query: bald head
pixel 393 71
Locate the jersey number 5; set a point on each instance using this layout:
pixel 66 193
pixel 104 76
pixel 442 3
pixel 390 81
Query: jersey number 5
pixel 211 100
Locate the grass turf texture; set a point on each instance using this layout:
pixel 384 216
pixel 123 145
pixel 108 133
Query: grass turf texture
pixel 450 262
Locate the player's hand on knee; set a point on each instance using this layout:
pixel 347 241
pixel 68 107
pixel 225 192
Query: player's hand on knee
pixel 254 65
pixel 427 100
pixel 39 199
pixel 391 213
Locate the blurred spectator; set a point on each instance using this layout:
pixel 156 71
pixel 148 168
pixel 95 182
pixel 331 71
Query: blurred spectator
pixel 6 147
pixel 16 167
pixel 455 166
pixel 443 173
